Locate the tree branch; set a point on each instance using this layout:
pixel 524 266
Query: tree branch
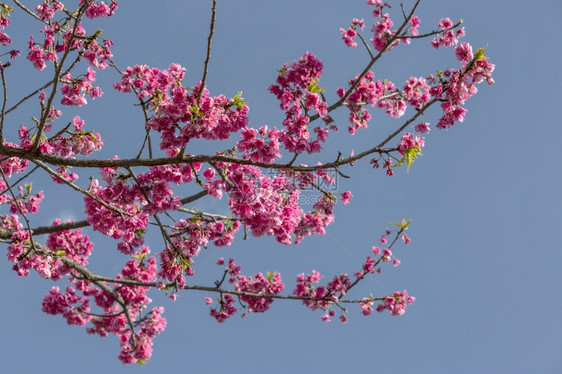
pixel 208 57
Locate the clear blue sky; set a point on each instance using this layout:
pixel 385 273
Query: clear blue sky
pixel 485 200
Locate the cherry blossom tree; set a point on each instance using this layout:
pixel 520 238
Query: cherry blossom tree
pixel 260 178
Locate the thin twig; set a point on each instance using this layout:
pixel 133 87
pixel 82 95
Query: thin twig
pixel 435 32
pixel 92 277
pixel 25 9
pixel 20 210
pixel 208 57
pixel 4 99
pixel 58 70
pixel 80 189
pixel 387 46
pixel 165 235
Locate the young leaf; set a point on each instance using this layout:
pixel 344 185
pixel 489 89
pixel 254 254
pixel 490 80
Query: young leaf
pixel 409 157
pixel 403 224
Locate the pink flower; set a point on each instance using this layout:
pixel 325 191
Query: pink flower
pixel 396 303
pixel 422 127
pixel 445 23
pixel 78 123
pixel 4 39
pixel 365 307
pixel 37 57
pixel 408 141
pixel 406 239
pixel 346 197
pixel 386 254
pixel 464 52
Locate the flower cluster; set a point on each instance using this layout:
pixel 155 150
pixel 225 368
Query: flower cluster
pixel 72 307
pixel 349 34
pixel 65 243
pixel 181 114
pixel 226 308
pixel 408 141
pixel 396 303
pixel 267 206
pixel 448 35
pixel 321 297
pixel 422 127
pixel 74 89
pixel 257 148
pixel 416 92
pixel 382 94
pixel 65 144
pixel 74 37
pixel 270 284
pixel 127 201
pixel 71 244
pixel 12 165
pixel 19 252
pixel 136 345
pixel 128 225
pixel 187 239
pixel 46 11
pixel 99 10
pixel 24 202
pixel 298 92
pixel 382 32
pixel 456 86
pixel 5 22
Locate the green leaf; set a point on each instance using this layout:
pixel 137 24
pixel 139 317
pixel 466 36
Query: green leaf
pixel 314 88
pixel 140 257
pixel 239 100
pixel 409 157
pixel 6 10
pixel 194 109
pixel 479 54
pixel 184 261
pixel 403 224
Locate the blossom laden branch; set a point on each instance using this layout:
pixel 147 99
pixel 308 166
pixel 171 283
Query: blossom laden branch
pixel 136 197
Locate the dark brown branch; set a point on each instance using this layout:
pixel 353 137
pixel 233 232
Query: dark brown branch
pixel 434 32
pixel 25 9
pixel 99 163
pixel 19 209
pixel 4 99
pixel 80 189
pixel 208 57
pixel 58 71
pixel 389 44
pixel 92 277
pixel 190 199
pixel 6 234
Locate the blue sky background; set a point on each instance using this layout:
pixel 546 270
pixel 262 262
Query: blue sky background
pixel 485 200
